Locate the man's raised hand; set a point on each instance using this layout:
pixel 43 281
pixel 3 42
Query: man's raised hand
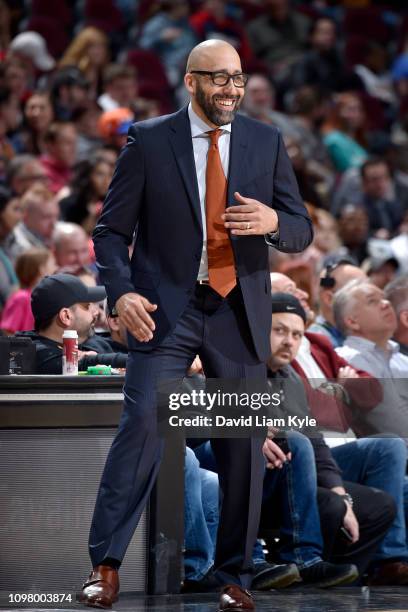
pixel 250 217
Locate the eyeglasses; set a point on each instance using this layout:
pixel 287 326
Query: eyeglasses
pixel 222 78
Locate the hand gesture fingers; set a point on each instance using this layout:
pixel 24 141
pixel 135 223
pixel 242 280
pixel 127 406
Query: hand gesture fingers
pixel 249 217
pixel 134 309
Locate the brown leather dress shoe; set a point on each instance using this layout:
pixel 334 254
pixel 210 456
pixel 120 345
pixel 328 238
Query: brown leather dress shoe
pixel 391 573
pixel 235 599
pixel 101 589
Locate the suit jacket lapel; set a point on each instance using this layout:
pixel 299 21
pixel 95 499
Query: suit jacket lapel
pixel 237 163
pixel 181 142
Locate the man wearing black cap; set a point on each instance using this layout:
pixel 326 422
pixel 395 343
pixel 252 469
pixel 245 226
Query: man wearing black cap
pixel 322 516
pixel 60 302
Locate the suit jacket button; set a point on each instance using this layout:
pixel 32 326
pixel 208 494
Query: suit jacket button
pixel 283 243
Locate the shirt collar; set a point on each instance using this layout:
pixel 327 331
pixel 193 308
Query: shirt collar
pixel 200 127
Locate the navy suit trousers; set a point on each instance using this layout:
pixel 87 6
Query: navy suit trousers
pixel 217 330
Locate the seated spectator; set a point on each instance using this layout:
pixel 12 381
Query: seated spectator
pixel 71 245
pixel 377 193
pixel 385 212
pixel 279 36
pixel 353 226
pixel 323 371
pixel 355 472
pixel 23 172
pixel 396 293
pixel 259 103
pixel 344 132
pixel 38 116
pixel 389 182
pixel 367 321
pixel 309 108
pixel 326 237
pixel 69 92
pixel 60 143
pixel 309 178
pixel 334 275
pixel 37 227
pixel 108 153
pixel 89 187
pixel 60 302
pixel 170 35
pixel 89 51
pixel 381 269
pixel 31 266
pixel 31 49
pixel 86 120
pixel 10 214
pixel 119 87
pixel 215 20
pixel 322 65
pixel 281 283
pixel 16 78
pixel 372 70
pixel 113 127
pixel 88 277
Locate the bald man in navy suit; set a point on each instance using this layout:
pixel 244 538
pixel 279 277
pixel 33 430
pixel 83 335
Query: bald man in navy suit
pixel 172 308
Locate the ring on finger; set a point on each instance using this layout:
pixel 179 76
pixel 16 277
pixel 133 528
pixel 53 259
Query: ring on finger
pixel 248 226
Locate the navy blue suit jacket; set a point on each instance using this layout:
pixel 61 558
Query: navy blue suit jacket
pixel 154 193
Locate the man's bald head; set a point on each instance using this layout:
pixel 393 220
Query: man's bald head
pixel 210 63
pixel 210 51
pixel 71 245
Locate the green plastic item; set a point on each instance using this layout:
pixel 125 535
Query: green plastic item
pixel 99 370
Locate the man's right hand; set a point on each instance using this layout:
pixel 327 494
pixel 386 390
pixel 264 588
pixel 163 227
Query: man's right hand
pixel 350 522
pixel 275 457
pixel 133 310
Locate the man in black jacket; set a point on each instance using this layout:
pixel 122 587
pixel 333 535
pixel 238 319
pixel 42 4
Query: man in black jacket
pixel 326 517
pixel 60 302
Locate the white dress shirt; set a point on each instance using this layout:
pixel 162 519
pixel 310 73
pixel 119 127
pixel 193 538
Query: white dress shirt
pixel 309 365
pixel 201 145
pixel 366 355
pixel 390 367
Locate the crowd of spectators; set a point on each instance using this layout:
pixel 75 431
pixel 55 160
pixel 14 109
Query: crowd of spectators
pixel 333 77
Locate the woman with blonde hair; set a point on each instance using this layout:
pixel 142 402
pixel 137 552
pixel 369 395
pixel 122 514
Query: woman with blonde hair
pixel 89 51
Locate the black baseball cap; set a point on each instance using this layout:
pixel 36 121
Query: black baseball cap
pixel 286 302
pixel 62 291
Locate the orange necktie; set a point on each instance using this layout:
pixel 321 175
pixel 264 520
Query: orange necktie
pixel 221 266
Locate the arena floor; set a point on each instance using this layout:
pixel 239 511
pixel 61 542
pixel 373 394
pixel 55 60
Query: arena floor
pixel 296 599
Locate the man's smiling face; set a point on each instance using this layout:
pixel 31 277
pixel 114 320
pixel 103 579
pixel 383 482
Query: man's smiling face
pixel 215 104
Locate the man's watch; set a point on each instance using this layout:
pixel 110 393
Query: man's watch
pixel 347 498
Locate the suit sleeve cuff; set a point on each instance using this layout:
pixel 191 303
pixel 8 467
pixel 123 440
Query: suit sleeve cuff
pixel 272 239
